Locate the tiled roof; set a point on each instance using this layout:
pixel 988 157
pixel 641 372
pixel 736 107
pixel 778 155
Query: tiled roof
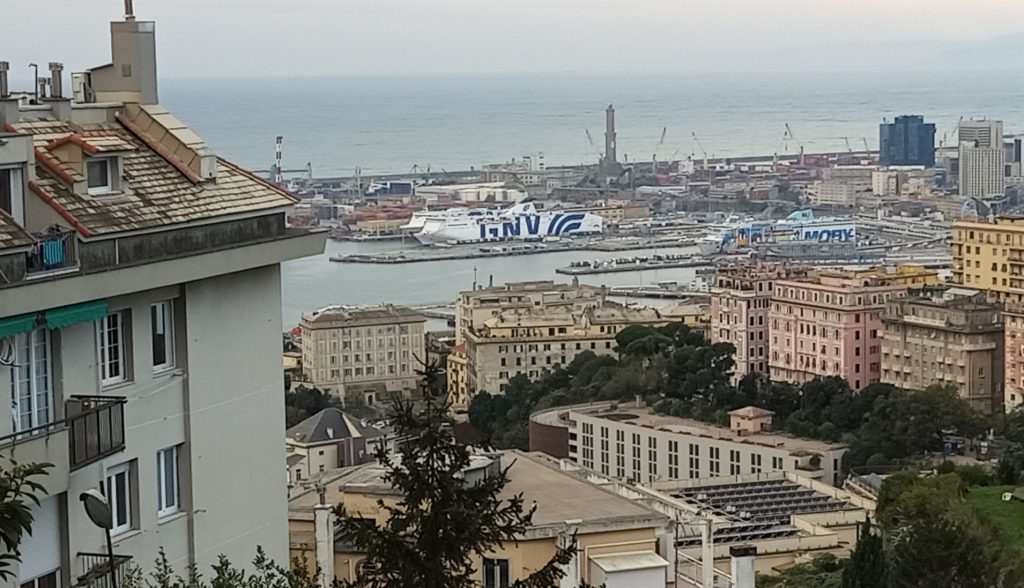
pixel 157 192
pixel 11 234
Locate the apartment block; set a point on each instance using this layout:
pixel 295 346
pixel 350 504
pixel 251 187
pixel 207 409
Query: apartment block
pixel 740 302
pixel 981 158
pixel 531 340
pixel 633 443
pixel 989 256
pixel 953 338
pixel 140 327
pixel 830 324
pixel 478 305
pixel 363 354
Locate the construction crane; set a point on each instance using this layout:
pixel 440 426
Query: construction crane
pixel 592 146
pixel 657 148
pixel 701 147
pixel 792 137
pixel 866 148
pixel 848 148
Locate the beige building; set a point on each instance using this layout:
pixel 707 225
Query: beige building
pixel 953 340
pixel 364 353
pixel 981 158
pixel 476 306
pixel 530 340
pixel 457 372
pixel 620 542
pixel 740 301
pixel 140 326
pixel 633 443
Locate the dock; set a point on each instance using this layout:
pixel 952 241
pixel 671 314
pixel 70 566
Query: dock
pixel 503 250
pixel 634 264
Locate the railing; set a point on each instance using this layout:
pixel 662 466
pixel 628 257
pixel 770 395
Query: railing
pixel 96 570
pixel 96 425
pixel 54 250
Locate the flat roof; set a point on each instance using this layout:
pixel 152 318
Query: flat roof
pixel 629 561
pixel 646 417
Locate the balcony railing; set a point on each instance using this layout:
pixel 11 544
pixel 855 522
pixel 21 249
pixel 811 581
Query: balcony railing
pixel 54 250
pixel 96 570
pixel 96 425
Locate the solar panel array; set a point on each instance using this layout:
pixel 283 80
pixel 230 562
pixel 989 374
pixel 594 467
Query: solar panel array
pixel 742 533
pixel 768 501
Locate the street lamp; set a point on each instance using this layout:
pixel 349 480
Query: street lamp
pixel 98 510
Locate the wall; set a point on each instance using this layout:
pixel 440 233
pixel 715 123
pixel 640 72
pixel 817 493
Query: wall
pixel 550 439
pixel 236 415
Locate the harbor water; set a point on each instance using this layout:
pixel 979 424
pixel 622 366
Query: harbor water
pixel 315 282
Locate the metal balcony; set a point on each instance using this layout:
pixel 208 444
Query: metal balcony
pixel 55 250
pixel 96 426
pixel 96 570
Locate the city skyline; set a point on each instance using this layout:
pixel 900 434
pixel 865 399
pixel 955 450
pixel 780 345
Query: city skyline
pixel 431 37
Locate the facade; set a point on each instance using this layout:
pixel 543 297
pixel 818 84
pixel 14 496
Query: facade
pixel 530 341
pixel 989 256
pixel 363 353
pixel 981 158
pixel 606 525
pixel 695 313
pixel 1013 381
pixel 740 301
pixel 633 443
pixel 457 371
pixel 908 140
pixel 329 440
pixel 140 327
pixel 836 193
pixel 830 324
pixel 952 340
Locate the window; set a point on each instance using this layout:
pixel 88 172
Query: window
pixel 168 501
pixel 98 172
pixel 160 318
pixel 113 349
pixel 45 581
pixel 118 491
pixel 10 192
pixel 31 387
pixel 495 573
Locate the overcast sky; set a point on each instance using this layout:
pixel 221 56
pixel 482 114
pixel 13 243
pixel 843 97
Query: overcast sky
pixel 224 38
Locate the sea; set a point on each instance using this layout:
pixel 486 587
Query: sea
pixel 384 125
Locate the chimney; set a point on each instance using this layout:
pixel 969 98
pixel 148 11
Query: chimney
pixel 131 77
pixel 56 83
pixel 323 525
pixel 4 90
pixel 42 86
pixel 743 575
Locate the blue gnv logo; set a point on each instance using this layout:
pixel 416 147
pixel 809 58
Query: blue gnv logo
pixel 531 226
pixel 829 235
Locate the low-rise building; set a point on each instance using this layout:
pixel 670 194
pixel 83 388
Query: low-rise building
pixel 531 340
pixel 951 339
pixel 694 313
pixel 631 442
pixel 329 440
pixel 620 542
pixel 363 353
pixel 740 301
pixel 830 323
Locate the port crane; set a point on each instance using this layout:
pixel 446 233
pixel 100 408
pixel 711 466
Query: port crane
pixel 701 147
pixel 592 146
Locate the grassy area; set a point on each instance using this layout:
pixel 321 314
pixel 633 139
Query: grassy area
pixel 1008 515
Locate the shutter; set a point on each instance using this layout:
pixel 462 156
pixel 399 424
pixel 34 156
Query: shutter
pixel 40 551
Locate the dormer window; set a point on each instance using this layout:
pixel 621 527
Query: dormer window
pixel 100 175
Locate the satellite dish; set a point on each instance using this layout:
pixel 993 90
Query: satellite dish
pixel 97 508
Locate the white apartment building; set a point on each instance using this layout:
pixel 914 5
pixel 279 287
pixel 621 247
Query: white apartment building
pixel 634 443
pixel 981 171
pixel 363 352
pixel 140 328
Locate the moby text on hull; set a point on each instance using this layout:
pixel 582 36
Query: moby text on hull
pixel 520 222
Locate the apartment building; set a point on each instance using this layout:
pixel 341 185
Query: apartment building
pixel 620 541
pixel 476 306
pixel 529 341
pixel 740 301
pixel 140 327
pixel 328 440
pixel 363 354
pixel 457 372
pixel 955 338
pixel 981 158
pixel 632 442
pixel 830 324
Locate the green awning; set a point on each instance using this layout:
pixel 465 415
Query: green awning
pixel 14 325
pixel 66 316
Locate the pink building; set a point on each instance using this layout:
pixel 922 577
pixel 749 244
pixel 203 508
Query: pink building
pixel 829 324
pixel 740 301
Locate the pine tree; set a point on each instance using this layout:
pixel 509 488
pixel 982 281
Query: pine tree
pixel 440 524
pixel 867 566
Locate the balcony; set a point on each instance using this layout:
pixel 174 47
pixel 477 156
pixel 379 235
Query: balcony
pixel 96 425
pixel 96 570
pixel 56 251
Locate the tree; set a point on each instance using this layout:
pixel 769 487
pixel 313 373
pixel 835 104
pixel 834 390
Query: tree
pixel 19 491
pixel 824 571
pixel 440 523
pixel 266 574
pixel 867 567
pixel 304 402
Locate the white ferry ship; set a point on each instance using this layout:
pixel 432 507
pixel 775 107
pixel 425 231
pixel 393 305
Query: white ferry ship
pixel 801 226
pixel 521 222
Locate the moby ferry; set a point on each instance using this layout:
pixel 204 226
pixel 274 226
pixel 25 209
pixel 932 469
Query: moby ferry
pixel 799 227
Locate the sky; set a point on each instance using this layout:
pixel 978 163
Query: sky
pixel 258 38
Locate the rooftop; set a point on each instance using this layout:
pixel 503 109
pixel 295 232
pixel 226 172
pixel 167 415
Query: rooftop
pixel 646 417
pixel 330 424
pixel 342 316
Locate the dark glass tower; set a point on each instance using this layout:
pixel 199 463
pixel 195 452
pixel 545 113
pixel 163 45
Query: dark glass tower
pixel 907 141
